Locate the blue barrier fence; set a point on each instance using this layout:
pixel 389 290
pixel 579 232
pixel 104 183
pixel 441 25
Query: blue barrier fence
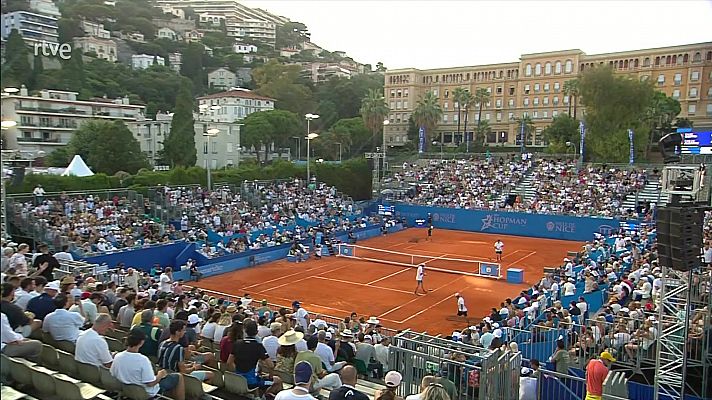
pixel 509 223
pixel 143 258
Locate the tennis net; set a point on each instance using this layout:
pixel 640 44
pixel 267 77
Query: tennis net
pixel 441 263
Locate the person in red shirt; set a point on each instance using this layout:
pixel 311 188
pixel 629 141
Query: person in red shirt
pixel 596 372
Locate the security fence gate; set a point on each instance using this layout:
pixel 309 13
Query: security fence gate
pixel 477 373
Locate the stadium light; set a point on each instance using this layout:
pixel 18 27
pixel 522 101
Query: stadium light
pixel 212 132
pixel 309 117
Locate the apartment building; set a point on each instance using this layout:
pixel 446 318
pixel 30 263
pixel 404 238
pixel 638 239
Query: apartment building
pixel 104 49
pixel 534 87
pixel 151 133
pixel 222 78
pixel 143 61
pixel 234 105
pixel 96 30
pixel 223 149
pixel 48 120
pixel 45 7
pixel 33 27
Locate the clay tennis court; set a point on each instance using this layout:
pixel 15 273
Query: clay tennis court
pixel 337 286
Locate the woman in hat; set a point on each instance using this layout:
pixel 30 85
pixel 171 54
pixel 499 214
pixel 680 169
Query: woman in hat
pixel 286 354
pixel 393 380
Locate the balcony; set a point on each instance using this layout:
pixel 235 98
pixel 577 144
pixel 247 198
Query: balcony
pixel 39 140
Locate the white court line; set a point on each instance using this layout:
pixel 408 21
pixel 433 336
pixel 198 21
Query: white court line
pixel 511 254
pixel 306 277
pixel 296 273
pixel 390 275
pixel 521 259
pixel 361 284
pixel 419 297
pixel 450 297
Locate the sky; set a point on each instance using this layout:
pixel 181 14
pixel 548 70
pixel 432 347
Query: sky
pixel 433 34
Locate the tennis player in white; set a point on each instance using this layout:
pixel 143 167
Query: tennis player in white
pixel 498 247
pixel 461 307
pixel 419 275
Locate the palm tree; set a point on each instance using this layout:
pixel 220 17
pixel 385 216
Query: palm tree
pixel 481 97
pixel 466 100
pixel 571 89
pixel 457 95
pixel 528 129
pixel 427 112
pixel 373 111
pixel 483 129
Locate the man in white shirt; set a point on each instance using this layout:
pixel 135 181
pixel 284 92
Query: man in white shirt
pixel 89 306
pixel 381 352
pixel 62 324
pixel 270 342
pixel 91 346
pixel 707 254
pixel 419 276
pixel 326 353
pixel 527 385
pixel 461 308
pixel 64 255
pixel 23 294
pixel 300 315
pixel 166 279
pixel 133 368
pixel 15 345
pixel 498 248
pixel 569 287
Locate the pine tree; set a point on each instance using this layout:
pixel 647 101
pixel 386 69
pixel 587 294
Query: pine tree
pixel 179 146
pixel 16 70
pixel 36 80
pixel 73 71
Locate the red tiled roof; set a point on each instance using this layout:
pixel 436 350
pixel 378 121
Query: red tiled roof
pixel 242 94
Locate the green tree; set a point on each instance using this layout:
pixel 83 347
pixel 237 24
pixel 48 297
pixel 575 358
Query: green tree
pixel 481 97
pixel 257 132
pixel 36 79
pixel 528 125
pixel 73 73
pixel 58 158
pixel 380 67
pixel 481 131
pixel 266 128
pixel 564 128
pixel 179 146
pixel 354 134
pixel 328 113
pixel 282 83
pixel 16 68
pixel 661 116
pixel 571 89
pixel 68 29
pixel 373 111
pixel 458 95
pixel 614 104
pixel 291 35
pixel 193 66
pixel 427 113
pixel 347 94
pixel 107 147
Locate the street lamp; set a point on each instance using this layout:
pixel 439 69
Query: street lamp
pixel 571 144
pixel 309 117
pixel 435 143
pixel 298 147
pixel 339 152
pixel 212 132
pixel 309 138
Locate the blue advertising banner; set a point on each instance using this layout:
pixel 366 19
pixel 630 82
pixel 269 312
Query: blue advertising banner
pixel 631 159
pixel 511 223
pixel 421 140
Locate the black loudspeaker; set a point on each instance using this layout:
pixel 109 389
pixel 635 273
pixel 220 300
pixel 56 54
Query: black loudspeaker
pixel 670 147
pixel 679 236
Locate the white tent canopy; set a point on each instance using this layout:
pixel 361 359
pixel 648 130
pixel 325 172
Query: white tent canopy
pixel 77 168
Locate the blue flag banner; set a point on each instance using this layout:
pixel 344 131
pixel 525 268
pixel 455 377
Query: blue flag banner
pixel 421 140
pixel 631 159
pixel 582 129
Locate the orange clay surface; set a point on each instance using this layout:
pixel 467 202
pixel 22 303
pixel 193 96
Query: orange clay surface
pixel 336 286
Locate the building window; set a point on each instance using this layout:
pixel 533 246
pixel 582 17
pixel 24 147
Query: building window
pixel 557 86
pixel 499 116
pixel 498 103
pixel 695 76
pixel 545 114
pixel 205 148
pixel 661 79
pixel 487 116
pixel 537 69
pixel 536 87
pixel 693 93
pixel 526 101
pixel 676 94
pixel 547 68
pixel 566 99
pixel 536 101
pixel 511 102
pixel 445 118
pixel 709 109
pixel 709 93
pixel 545 101
pixel 569 67
pixel 554 113
pixel 229 148
pixel 499 89
pixel 447 94
pixel 528 70
pixel 535 115
pixel 678 79
pixel 546 87
pixel 435 92
pixel 399 93
pixel 454 118
pixel 511 90
pixel 511 116
pixel 526 89
pixel 557 67
pixel 405 104
pixel 393 105
pixel 691 108
pixel 405 92
pixel 398 105
pixel 445 105
pixel 555 100
pixel 697 57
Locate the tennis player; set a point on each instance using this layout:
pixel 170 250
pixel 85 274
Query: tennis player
pixel 430 232
pixel 419 275
pixel 498 247
pixel 461 308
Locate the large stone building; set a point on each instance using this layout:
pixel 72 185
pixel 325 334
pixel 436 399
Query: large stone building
pixel 534 87
pixel 48 120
